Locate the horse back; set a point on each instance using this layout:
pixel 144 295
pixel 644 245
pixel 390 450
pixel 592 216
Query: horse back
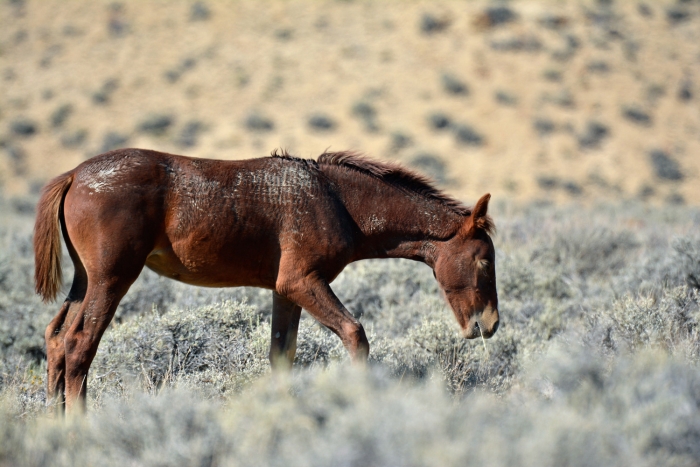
pixel 220 223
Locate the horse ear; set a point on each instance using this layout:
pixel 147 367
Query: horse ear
pixel 479 217
pixel 481 206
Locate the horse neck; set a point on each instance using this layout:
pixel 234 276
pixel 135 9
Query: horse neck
pixel 393 222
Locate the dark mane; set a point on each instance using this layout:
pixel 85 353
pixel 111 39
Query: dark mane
pixel 282 153
pixel 394 174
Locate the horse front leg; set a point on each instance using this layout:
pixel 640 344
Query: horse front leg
pixel 285 325
pixel 317 297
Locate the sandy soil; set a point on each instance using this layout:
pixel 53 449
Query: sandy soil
pixel 561 100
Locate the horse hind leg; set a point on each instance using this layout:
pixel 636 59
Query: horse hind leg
pixel 84 334
pixel 106 286
pixel 56 359
pixel 55 344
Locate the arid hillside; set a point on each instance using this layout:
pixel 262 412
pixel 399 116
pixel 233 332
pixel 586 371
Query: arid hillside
pixel 577 100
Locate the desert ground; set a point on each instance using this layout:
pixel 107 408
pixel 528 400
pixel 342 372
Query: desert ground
pixel 580 117
pixel 528 100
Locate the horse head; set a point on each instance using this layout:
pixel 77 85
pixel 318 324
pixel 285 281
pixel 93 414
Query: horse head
pixel 465 270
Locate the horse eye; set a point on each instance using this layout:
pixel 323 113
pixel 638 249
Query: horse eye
pixel 483 264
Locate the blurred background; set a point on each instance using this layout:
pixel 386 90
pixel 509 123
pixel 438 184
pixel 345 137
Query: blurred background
pixel 529 100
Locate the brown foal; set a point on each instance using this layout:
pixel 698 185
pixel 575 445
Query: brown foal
pixel 283 223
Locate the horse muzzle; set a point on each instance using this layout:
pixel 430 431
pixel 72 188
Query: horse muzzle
pixel 484 324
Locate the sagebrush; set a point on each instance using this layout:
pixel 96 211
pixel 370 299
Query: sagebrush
pixel 596 361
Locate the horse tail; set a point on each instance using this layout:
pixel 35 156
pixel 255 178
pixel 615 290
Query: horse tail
pixel 47 237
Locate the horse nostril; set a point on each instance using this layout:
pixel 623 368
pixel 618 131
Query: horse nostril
pixel 495 327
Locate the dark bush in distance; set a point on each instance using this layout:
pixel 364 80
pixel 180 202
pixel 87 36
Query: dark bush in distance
pixel 400 140
pixel 453 85
pixel 113 140
pixel 505 98
pixel 117 25
pixel 257 122
pixel 430 165
pixel 598 66
pixel 60 115
pixel 554 22
pixel 637 115
pixel 431 24
pixel 439 121
pixel 522 43
pixel 189 134
pixel 544 126
pixel 24 127
pixel 665 166
pixel 548 182
pixel 595 133
pixel 676 15
pixel 156 124
pixel 74 139
pixel 644 10
pixel 500 15
pixel 199 11
pixel 174 74
pixel 367 113
pixel 465 134
pixel 321 122
pixel 104 94
pixel 685 93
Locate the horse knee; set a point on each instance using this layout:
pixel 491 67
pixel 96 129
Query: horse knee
pixel 80 348
pixel 56 324
pixel 356 340
pixel 54 342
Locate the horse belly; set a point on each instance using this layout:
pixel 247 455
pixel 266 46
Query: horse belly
pixel 215 262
